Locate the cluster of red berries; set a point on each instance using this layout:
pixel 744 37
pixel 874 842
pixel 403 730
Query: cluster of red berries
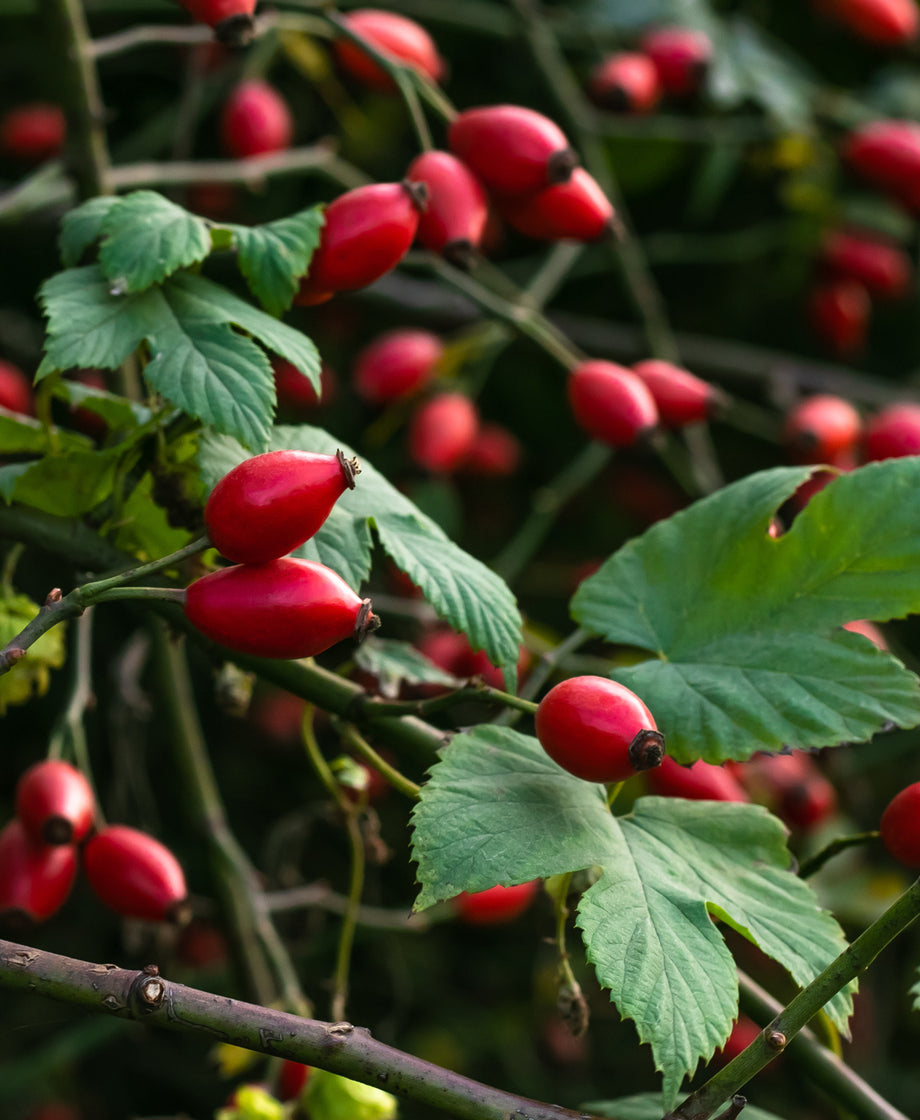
pixel 669 61
pixel 267 603
pixel 885 23
pixel 52 835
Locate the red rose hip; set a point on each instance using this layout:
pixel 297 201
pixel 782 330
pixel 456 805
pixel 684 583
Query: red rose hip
pixel 681 397
pixel 33 133
pixel 442 431
pixel 612 404
pixel 701 781
pixel 135 875
pixel 839 310
pixel 454 221
pixel 576 210
pixel 598 730
pixel 55 803
pixel 231 19
pixel 823 429
pixel 494 906
pixel 399 38
pixel 900 826
pixel 15 390
pixel 681 57
pixel 255 120
pixel 893 432
pixel 626 82
pixel 35 879
pixel 270 504
pixel 882 267
pixel 886 23
pixel 396 365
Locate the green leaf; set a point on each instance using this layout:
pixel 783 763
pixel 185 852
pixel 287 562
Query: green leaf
pixel 32 676
pixel 81 226
pixel 395 663
pixel 651 1106
pixel 462 590
pixel 497 809
pixel 274 257
pixel 66 485
pixel 145 238
pixel 742 625
pixel 21 434
pixel 116 411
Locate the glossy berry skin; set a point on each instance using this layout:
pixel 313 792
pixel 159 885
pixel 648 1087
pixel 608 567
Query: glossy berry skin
pixel 33 133
pixel 576 210
pixel 886 154
pixel 134 874
pixel 442 431
pixel 367 233
pixel 401 39
pixel 893 432
pixel 626 82
pixel 291 1079
pixel 35 879
pixel 494 906
pixel 495 453
pixel 55 803
pixel 285 608
pixel 270 504
pixel 611 403
pixel 396 365
pixel 598 730
pixel 790 785
pixel 682 397
pixel 881 267
pixel 701 781
pixel 454 221
pixel 255 120
pixel 231 19
pixel 900 826
pixel 886 23
pixel 838 311
pixel 681 56
pixel 512 149
pixel 823 429
pixel 15 391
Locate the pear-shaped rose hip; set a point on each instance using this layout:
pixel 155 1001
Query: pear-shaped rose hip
pixel 272 503
pixel 55 803
pixel 35 879
pixel 135 874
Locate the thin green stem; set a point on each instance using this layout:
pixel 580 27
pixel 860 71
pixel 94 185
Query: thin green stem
pixel 361 746
pixel 835 847
pixel 69 735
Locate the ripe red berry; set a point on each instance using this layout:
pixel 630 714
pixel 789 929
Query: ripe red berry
pixel 626 82
pixel 367 233
pixel 295 391
pixel 255 120
pixel 15 391
pixel 893 432
pixel 701 781
pixel 452 652
pixel 231 19
pixel 454 221
pixel 396 365
pixel 441 432
pixel 55 803
pixel 681 56
pixel 513 150
pixel 611 403
pixel 201 944
pixel 900 826
pixel 886 154
pixel 792 786
pixel 495 453
pixel 135 874
pixel 291 1079
pixel 285 608
pixel 270 504
pixel 35 879
pixel 682 397
pixel 399 38
pixel 743 1033
pixel 576 210
pixel 494 906
pixel 882 267
pixel 33 132
pixel 838 311
pixel 886 23
pixel 823 429
pixel 598 730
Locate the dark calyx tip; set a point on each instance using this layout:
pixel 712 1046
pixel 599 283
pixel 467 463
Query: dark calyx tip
pixel 461 253
pixel 350 468
pixel 560 165
pixel 418 192
pixel 57 830
pixel 235 31
pixel 647 750
pixel 367 622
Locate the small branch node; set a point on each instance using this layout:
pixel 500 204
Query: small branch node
pixel 776 1040
pixel 54 596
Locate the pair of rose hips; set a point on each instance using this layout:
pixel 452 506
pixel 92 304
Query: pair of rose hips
pixel 828 429
pixel 268 603
pixel 669 60
pixel 42 847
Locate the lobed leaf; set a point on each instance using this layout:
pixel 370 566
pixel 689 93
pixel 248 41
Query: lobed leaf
pixel 81 226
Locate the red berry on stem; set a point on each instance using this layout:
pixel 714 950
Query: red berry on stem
pixel 512 149
pixel 295 390
pixel 135 874
pixel 701 781
pixel 626 82
pixel 682 397
pixel 55 803
pixel 454 221
pixel 887 23
pixel 291 1079
pixel 893 432
pixel 792 786
pixel 823 429
pixel 269 505
pixel 399 38
pixel 576 210
pixel 231 19
pixel 886 154
pixel 598 729
pixel 839 314
pixel 882 267
pixel 255 120
pixel 495 453
pixel 611 403
pixel 285 608
pixel 35 879
pixel 900 826
pixel 33 132
pixel 681 56
pixel 367 233
pixel 494 906
pixel 396 365
pixel 452 652
pixel 441 432
pixel 15 390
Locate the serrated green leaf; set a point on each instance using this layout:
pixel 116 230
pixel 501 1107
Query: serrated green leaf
pixel 81 226
pixel 145 238
pixel 118 412
pixel 394 663
pixel 274 257
pixel 497 809
pixel 462 590
pixel 66 485
pixel 742 625
pixel 22 434
pixel 651 1106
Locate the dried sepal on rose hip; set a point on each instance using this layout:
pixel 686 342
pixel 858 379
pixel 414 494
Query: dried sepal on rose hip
pixel 232 20
pixel 55 803
pixel 682 397
pixel 270 504
pixel 598 729
pixel 135 875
